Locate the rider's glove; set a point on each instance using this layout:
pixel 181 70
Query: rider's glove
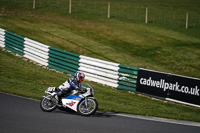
pixel 79 89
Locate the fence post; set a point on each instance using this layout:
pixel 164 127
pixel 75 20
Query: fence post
pixel 33 4
pixel 70 6
pixel 186 25
pixel 109 10
pixel 146 20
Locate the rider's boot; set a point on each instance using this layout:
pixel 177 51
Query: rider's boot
pixel 59 97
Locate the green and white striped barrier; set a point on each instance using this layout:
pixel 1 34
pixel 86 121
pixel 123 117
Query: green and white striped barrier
pixel 100 71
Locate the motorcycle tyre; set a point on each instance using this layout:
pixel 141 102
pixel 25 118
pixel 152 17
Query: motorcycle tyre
pixel 96 107
pixel 50 110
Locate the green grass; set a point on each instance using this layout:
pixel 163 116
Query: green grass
pixel 157 46
pixel 162 45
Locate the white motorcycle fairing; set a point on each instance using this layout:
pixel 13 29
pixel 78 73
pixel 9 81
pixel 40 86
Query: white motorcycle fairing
pixel 71 101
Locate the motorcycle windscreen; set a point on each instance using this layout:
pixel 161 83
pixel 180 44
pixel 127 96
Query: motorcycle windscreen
pixel 71 102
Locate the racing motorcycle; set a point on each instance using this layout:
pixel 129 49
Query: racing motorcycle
pixel 82 101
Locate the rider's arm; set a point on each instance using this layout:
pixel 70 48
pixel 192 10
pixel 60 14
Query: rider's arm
pixel 72 83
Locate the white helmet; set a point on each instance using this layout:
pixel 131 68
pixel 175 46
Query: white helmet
pixel 80 76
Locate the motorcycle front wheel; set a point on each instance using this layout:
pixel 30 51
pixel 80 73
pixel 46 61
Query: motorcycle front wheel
pixel 89 108
pixel 48 104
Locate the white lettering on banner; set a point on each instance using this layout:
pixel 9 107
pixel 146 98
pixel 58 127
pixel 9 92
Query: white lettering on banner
pixel 169 86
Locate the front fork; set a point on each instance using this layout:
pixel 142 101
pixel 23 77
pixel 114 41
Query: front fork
pixel 52 97
pixel 86 102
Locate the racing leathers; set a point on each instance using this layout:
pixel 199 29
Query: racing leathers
pixel 67 87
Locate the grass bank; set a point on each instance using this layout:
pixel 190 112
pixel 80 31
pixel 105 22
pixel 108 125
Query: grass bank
pixel 22 77
pixel 155 46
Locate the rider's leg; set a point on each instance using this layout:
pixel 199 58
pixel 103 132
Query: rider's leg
pixel 64 88
pixel 62 93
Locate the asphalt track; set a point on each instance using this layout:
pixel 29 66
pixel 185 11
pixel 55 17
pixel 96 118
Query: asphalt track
pixel 22 115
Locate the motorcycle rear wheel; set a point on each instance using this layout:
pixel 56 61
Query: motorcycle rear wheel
pixel 47 105
pixel 88 110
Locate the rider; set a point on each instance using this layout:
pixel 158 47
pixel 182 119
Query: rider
pixel 73 83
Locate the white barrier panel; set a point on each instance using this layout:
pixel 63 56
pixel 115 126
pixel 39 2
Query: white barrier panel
pixel 39 55
pixel 35 46
pixel 103 79
pixel 2 33
pixel 2 30
pixel 36 43
pixel 100 61
pixel 2 38
pixel 36 58
pixel 98 69
pixel 89 62
pixel 99 73
pixel 2 44
pixel 94 79
pixel 36 51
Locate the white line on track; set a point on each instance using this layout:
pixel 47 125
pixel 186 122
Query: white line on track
pixel 150 118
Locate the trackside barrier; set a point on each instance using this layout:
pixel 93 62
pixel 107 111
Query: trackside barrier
pixel 100 71
pixel 36 51
pixel 185 90
pixel 2 38
pixel 13 42
pixel 63 61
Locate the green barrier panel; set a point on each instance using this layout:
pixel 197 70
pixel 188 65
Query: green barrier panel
pixel 61 68
pixel 14 49
pixel 63 53
pixel 128 67
pixel 63 59
pixel 14 43
pixel 62 63
pixel 127 77
pixel 17 51
pixel 126 88
pixel 126 84
pixel 15 35
pixel 128 71
pixel 132 80
pixel 14 38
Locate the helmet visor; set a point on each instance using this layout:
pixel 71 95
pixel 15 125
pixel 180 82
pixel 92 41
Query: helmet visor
pixel 81 78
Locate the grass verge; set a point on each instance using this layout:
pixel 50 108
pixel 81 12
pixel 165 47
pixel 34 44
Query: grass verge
pixel 19 76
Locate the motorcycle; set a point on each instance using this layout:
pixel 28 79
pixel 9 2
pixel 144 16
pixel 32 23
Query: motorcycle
pixel 82 101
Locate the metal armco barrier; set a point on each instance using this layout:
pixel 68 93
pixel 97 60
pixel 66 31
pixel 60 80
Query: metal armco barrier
pixel 162 85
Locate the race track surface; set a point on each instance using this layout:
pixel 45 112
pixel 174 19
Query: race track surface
pixel 20 115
